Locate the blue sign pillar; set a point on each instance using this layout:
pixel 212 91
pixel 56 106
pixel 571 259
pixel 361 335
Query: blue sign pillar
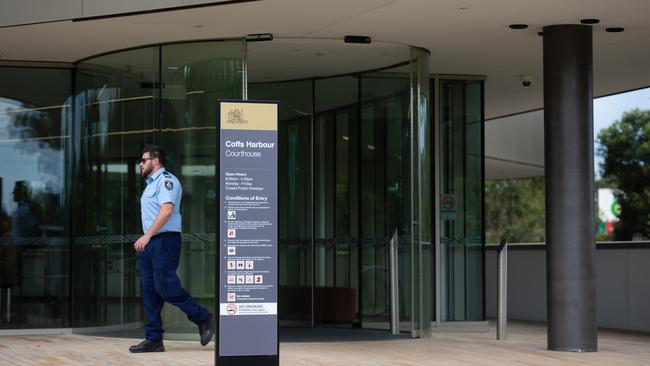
pixel 247 261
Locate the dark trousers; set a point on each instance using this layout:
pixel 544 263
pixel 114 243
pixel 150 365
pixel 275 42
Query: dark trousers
pixel 158 264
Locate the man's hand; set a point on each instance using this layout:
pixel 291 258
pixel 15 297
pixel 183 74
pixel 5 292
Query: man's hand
pixel 162 217
pixel 141 243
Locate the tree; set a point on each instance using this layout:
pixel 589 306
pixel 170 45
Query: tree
pixel 625 149
pixel 514 210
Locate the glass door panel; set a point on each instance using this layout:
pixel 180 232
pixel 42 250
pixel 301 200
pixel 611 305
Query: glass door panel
pixel 336 280
pixel 384 191
pixel 115 113
pixel 349 158
pixel 461 237
pixel 295 196
pixel 193 77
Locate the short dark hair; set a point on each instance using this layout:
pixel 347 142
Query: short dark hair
pixel 155 152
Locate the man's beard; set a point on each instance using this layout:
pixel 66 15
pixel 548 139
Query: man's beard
pixel 145 172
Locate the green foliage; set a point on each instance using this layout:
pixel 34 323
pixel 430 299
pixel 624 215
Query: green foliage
pixel 625 148
pixel 604 237
pixel 514 210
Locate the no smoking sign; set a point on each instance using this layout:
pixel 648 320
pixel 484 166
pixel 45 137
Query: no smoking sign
pixel 448 207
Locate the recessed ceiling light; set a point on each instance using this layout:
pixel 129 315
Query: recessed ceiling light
pixel 590 21
pixel 615 29
pixel 357 39
pixel 518 26
pixel 259 37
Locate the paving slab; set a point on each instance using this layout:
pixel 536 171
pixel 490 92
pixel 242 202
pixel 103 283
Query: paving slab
pixel 526 345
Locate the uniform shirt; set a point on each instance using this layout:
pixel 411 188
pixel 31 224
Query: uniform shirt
pixel 162 187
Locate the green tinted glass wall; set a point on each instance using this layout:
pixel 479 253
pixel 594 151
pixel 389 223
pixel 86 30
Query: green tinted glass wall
pixel 164 95
pixel 352 162
pixel 34 235
pixel 461 194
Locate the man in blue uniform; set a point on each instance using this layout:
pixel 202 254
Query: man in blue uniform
pixel 159 252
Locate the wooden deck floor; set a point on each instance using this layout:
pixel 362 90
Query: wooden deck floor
pixel 526 346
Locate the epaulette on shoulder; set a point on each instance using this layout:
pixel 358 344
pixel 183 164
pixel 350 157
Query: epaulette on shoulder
pixel 167 175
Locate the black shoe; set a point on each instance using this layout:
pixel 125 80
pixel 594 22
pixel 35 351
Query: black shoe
pixel 148 346
pixel 206 330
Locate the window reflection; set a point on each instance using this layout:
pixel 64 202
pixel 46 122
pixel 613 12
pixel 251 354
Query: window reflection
pixel 33 240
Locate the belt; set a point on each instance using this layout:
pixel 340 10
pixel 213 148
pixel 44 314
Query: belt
pixel 166 234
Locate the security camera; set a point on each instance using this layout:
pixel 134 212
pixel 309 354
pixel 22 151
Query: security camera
pixel 526 80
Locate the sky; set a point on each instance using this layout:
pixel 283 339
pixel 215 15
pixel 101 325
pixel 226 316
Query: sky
pixel 609 109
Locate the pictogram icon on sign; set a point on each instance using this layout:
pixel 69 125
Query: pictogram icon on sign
pixel 231 309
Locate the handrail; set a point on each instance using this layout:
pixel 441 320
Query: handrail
pixel 598 243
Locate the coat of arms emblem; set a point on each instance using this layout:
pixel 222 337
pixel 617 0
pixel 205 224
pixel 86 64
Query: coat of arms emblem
pixel 236 116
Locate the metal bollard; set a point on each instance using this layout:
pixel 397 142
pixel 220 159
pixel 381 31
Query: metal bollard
pixel 394 283
pixel 502 290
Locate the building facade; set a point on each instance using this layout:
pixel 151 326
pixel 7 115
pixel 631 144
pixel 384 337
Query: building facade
pixel 381 138
pixel 357 169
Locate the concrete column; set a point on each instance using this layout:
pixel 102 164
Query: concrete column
pixel 569 170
